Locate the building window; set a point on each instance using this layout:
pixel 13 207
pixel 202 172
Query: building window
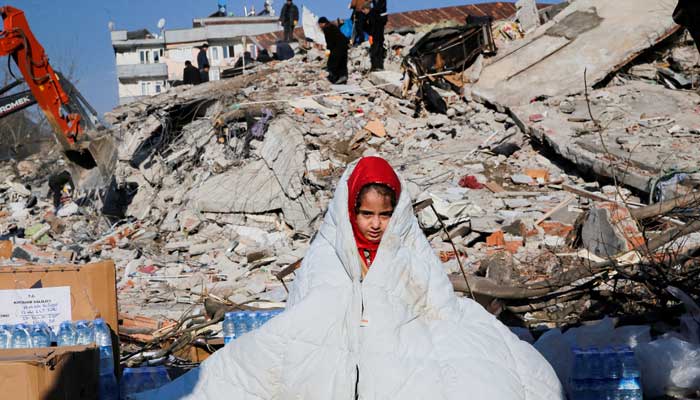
pixel 157 87
pixel 215 53
pixel 144 88
pixel 145 56
pixel 156 56
pixel 229 52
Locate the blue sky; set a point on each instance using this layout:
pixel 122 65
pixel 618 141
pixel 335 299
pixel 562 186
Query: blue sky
pixel 74 32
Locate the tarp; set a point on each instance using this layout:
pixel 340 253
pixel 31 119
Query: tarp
pixel 309 21
pixel 401 333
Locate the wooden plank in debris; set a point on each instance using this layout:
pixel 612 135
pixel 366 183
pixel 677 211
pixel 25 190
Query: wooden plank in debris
pixel 494 187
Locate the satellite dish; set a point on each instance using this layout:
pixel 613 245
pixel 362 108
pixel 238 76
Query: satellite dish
pixel 161 23
pixel 110 26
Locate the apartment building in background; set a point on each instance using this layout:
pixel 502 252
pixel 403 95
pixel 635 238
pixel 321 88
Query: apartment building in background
pixel 149 63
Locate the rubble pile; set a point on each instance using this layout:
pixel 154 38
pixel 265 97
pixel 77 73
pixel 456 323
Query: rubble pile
pixel 545 200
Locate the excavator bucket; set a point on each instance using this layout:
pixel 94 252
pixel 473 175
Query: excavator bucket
pixel 93 163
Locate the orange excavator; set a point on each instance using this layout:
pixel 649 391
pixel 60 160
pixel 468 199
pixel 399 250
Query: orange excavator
pixel 85 143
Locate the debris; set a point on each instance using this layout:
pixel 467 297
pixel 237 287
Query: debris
pixel 376 128
pixel 470 182
pixel 522 179
pixel 609 230
pixel 552 63
pixel 527 14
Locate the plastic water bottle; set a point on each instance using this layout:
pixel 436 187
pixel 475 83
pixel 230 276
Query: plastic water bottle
pixel 630 384
pixel 240 324
pixel 108 389
pixel 39 336
pixel 5 335
pixel 265 316
pixel 66 334
pixel 253 320
pixel 229 327
pixel 629 366
pixel 136 380
pixel 49 332
pixel 84 333
pixel 20 338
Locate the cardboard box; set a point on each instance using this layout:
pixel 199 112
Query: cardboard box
pixel 93 290
pixel 5 249
pixel 49 373
pixel 93 287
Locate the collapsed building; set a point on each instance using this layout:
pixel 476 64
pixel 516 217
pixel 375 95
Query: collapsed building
pixel 558 172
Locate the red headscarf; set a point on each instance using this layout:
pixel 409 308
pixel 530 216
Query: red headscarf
pixel 369 170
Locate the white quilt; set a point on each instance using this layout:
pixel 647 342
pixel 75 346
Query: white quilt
pixel 401 333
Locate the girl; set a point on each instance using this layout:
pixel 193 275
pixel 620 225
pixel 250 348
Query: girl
pixel 372 315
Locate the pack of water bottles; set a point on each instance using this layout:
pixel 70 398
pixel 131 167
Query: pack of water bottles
pixel 610 373
pixel 24 336
pixel 238 323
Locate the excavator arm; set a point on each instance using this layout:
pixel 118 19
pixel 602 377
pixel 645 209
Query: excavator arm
pixel 67 111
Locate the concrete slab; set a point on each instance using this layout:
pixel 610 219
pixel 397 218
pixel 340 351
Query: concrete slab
pixel 599 36
pixel 648 131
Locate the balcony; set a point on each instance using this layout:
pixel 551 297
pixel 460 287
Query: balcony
pixel 135 71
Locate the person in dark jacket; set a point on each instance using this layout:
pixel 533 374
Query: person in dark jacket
pixel 190 75
pixel 289 17
pixel 687 15
pixel 337 44
pixel 60 187
pixel 374 26
pixel 203 63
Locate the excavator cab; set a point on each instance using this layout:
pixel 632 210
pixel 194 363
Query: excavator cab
pixel 87 145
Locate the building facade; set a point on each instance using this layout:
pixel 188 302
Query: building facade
pixel 148 63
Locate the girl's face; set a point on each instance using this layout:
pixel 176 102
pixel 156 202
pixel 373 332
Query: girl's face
pixel 373 215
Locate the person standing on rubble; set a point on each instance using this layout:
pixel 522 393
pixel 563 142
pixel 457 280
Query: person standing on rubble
pixel 289 17
pixel 687 15
pixel 358 21
pixel 203 63
pixel 190 75
pixel 337 44
pixel 372 314
pixel 375 23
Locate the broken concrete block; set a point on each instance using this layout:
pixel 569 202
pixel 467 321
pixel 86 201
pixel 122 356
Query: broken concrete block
pixel 389 81
pixel 136 138
pixel 610 230
pixel 68 209
pixel 527 14
pixel 311 104
pixel 177 246
pixel 189 221
pixel 499 267
pixel 198 249
pixel 300 213
pixel 522 179
pixel 250 189
pixel 283 152
pixel 517 203
pixel 314 162
pixel 438 120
